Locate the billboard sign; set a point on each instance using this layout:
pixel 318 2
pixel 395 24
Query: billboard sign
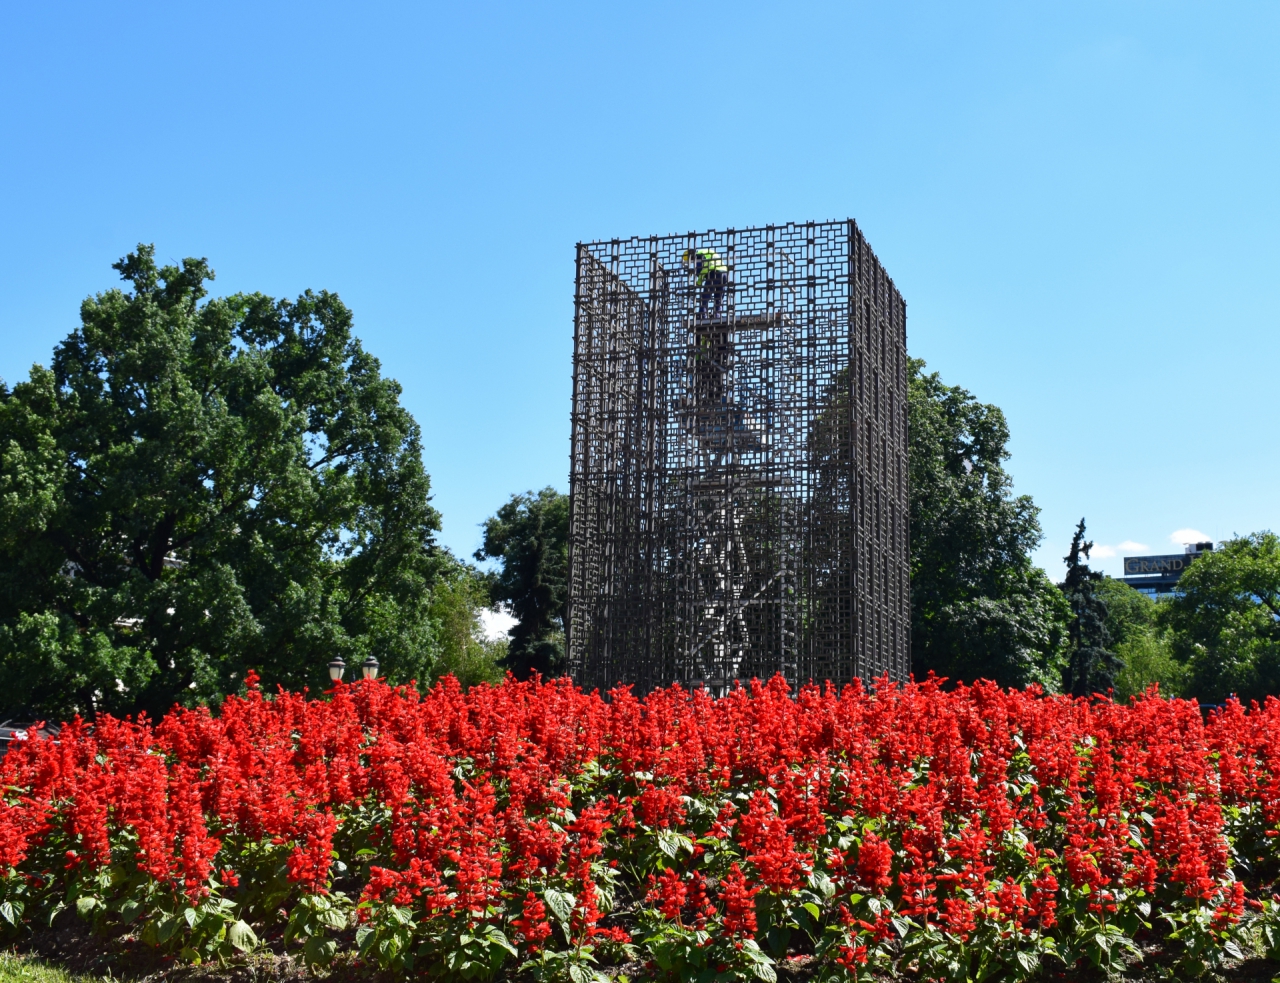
pixel 1176 563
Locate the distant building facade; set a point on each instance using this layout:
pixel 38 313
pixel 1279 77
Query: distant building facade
pixel 1155 575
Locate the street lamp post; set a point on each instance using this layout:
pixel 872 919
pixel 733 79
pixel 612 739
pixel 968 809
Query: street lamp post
pixel 370 668
pixel 336 668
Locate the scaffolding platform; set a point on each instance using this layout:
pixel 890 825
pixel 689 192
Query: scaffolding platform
pixel 739 322
pixel 736 484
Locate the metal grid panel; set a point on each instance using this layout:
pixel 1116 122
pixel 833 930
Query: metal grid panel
pixel 738 477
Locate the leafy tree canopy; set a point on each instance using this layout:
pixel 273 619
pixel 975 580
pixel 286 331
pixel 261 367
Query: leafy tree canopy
pixel 529 537
pixel 460 594
pixel 1129 612
pixel 1225 619
pixel 1142 645
pixel 979 607
pixel 199 486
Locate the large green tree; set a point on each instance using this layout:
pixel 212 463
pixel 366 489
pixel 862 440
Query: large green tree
pixel 979 607
pixel 529 537
pixel 1225 620
pixel 203 486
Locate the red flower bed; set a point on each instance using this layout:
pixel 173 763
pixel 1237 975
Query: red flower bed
pixel 533 827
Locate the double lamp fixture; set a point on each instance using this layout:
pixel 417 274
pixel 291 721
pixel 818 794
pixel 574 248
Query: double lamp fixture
pixel 369 667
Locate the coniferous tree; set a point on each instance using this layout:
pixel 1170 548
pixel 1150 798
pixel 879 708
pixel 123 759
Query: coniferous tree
pixel 1091 667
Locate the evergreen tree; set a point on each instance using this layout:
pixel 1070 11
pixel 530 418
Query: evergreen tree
pixel 1091 667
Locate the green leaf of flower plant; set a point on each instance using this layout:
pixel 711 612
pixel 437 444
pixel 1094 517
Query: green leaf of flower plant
pixel 560 903
pixel 242 936
pixel 764 971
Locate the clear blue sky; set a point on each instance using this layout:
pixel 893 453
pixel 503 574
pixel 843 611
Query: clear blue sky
pixel 1080 203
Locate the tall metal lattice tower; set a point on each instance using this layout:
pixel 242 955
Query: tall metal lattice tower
pixel 739 460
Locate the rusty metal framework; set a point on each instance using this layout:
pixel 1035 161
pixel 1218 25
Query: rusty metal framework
pixel 739 460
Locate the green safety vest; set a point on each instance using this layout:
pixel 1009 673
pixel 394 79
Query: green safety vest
pixel 711 263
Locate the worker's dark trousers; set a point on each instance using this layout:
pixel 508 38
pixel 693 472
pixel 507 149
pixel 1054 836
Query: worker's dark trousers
pixel 713 286
pixel 711 363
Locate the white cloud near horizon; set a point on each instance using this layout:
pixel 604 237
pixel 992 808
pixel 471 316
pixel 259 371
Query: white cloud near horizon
pixel 1102 551
pixel 1184 536
pixel 495 624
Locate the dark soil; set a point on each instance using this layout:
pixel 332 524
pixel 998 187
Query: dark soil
pixel 73 946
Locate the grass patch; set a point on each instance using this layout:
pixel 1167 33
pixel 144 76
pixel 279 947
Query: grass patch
pixel 25 969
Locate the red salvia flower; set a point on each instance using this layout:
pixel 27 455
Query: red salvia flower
pixel 739 904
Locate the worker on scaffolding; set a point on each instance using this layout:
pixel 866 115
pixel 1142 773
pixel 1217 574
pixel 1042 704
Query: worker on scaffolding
pixel 712 350
pixel 709 273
